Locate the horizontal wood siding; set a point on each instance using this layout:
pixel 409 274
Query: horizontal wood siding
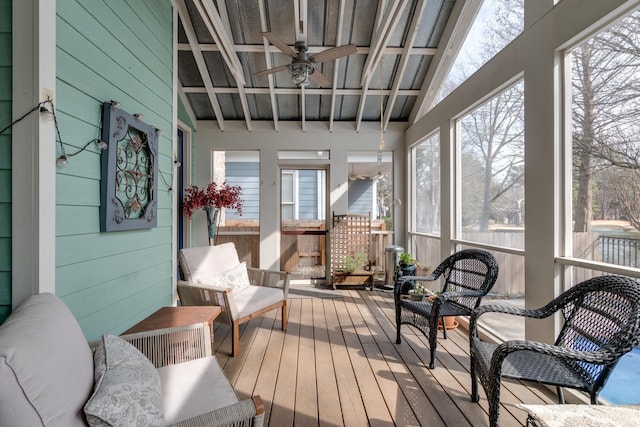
pixel 360 196
pixel 5 158
pixel 247 176
pixel 111 50
pixel 308 194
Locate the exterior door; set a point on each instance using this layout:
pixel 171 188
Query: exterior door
pixel 303 223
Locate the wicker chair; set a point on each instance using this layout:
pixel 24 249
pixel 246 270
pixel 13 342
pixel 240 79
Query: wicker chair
pixel 601 324
pixel 468 276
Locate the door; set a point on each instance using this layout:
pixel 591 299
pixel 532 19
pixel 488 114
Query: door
pixel 303 223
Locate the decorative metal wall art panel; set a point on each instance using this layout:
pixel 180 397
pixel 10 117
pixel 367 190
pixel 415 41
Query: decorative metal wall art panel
pixel 128 187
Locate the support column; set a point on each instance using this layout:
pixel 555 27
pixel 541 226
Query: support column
pixel 33 150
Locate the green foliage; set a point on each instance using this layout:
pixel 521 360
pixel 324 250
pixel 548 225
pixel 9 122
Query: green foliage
pixel 354 262
pixel 406 258
pixel 419 289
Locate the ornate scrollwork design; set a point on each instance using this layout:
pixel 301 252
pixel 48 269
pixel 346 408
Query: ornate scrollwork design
pixel 129 172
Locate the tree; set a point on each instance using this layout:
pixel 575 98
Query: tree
pixel 606 90
pixel 626 184
pixel 428 185
pixel 494 133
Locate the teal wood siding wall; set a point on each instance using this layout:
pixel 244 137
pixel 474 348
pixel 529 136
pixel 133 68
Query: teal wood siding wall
pixel 111 50
pixel 5 159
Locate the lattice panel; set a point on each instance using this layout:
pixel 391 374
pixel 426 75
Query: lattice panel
pixel 350 235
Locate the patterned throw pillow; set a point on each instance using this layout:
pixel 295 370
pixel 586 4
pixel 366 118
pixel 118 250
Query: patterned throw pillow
pixel 127 387
pixel 237 279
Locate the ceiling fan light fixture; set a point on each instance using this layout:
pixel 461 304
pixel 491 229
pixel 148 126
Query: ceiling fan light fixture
pixel 300 73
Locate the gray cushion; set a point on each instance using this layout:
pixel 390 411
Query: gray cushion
pixel 207 260
pixel 193 388
pixel 127 390
pixel 46 366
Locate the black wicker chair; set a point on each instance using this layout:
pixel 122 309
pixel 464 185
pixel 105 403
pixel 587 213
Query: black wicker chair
pixel 468 276
pixel 601 323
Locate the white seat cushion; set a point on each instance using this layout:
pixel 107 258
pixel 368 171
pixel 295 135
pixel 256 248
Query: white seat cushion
pixel 255 298
pixel 207 260
pixel 193 388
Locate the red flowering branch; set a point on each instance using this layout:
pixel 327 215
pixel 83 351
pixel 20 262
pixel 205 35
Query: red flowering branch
pixel 220 196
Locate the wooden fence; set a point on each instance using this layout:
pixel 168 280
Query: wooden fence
pixel 510 281
pixel 300 250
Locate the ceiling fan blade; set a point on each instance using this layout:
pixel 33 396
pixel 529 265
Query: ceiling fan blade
pixel 334 53
pixel 277 42
pixel 271 70
pixel 320 78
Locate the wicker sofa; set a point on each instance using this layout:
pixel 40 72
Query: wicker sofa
pixel 47 371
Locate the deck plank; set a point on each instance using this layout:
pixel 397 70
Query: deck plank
pixel 355 337
pixel 284 395
pixel 328 398
pixel 338 364
pixel 351 404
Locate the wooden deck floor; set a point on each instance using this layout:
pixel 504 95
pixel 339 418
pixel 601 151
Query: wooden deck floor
pixel 337 365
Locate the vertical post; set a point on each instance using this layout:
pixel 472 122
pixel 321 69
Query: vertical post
pixel 33 150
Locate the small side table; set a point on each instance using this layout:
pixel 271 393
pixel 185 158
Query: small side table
pixel 169 317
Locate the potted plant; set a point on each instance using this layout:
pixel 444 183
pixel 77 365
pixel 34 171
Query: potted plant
pixel 417 293
pixel 355 262
pixel 406 267
pixel 449 321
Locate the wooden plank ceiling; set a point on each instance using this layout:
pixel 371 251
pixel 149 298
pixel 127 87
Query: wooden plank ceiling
pixel 404 50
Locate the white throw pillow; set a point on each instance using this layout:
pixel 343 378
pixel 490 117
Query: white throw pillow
pixel 127 387
pixel 237 279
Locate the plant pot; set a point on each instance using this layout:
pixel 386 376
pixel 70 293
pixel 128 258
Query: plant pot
pixel 415 297
pixel 449 322
pixel 407 270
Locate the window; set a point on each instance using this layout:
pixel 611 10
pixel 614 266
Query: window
pixel 605 72
pixel 492 171
pixel 371 185
pixel 498 22
pixel 289 195
pixel 240 168
pixel 426 178
pixel 605 147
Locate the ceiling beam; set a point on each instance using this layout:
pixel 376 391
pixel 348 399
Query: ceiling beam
pixel 404 59
pixel 213 22
pixel 296 91
pixel 380 38
pixel 187 104
pixel 218 31
pixel 363 50
pixel 332 110
pixel 303 113
pixel 455 32
pixel 200 62
pixel 379 43
pixel 267 59
pixel 300 13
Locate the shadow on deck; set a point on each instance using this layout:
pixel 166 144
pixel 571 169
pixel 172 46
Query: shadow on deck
pixel 338 364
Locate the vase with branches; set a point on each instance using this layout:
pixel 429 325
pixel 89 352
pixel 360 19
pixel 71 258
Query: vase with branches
pixel 211 199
